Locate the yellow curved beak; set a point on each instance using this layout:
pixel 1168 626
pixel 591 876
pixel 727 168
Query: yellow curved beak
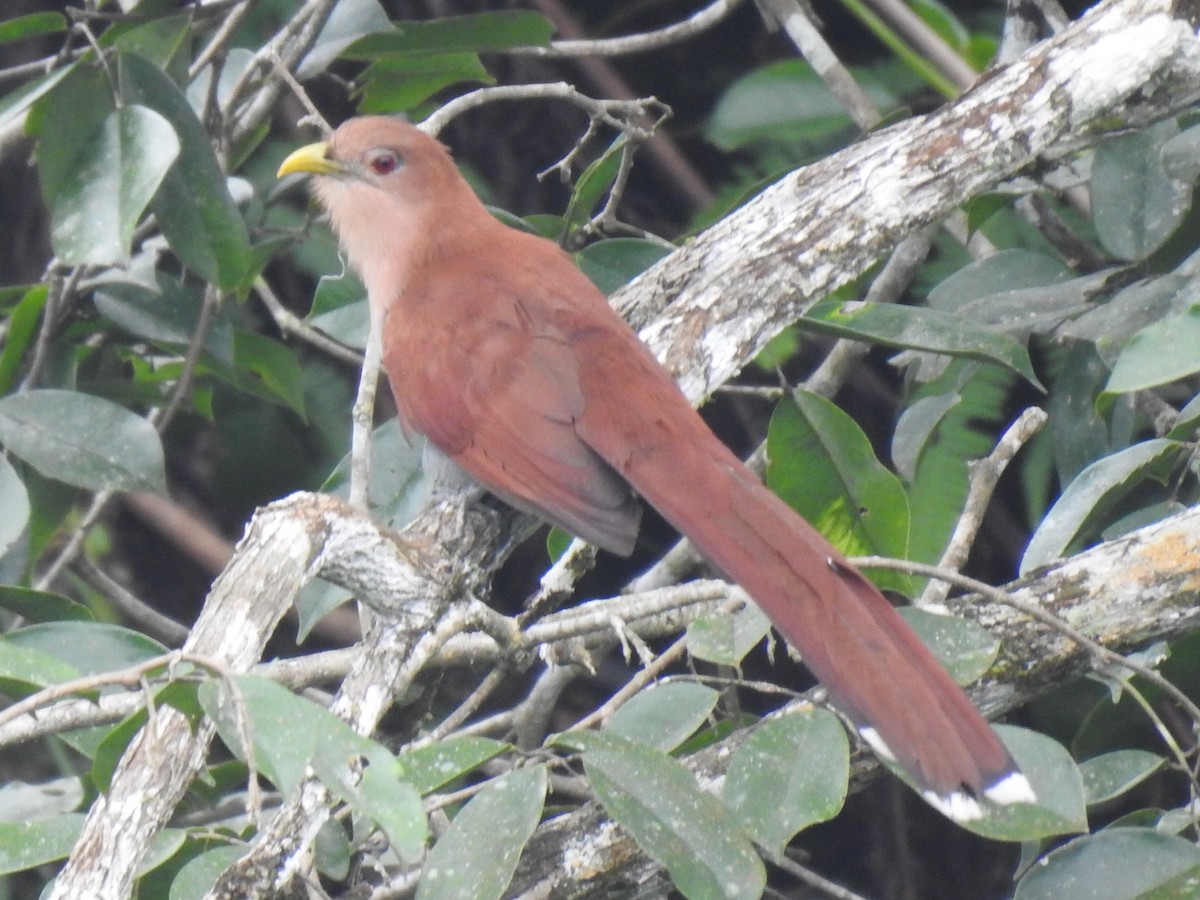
pixel 313 159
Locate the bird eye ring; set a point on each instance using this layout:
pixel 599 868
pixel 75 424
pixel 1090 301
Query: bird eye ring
pixel 383 162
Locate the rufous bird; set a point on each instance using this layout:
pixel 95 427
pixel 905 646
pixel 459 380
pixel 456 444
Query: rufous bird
pixel 507 358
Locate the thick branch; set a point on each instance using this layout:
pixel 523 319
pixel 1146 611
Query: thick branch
pixel 738 284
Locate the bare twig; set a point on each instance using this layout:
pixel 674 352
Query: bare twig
pixel 984 476
pixel 698 22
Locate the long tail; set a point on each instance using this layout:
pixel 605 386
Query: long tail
pixel 877 671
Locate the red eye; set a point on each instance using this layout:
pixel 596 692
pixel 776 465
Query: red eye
pixel 383 162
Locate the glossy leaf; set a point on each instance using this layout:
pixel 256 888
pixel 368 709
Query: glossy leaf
pixel 41 606
pixel 1119 864
pixel 726 639
pixel 31 25
pixel 658 801
pixel 349 21
pixel 1093 492
pixel 193 206
pixel 161 308
pixel 613 263
pixel 14 507
pixel 90 647
pixel 29 844
pixel 499 30
pixel 663 716
pixel 595 182
pixel 290 734
pixel 274 363
pixel 16 104
pixel 781 102
pixel 22 324
pixel 1136 205
pixel 822 464
pixel 378 791
pixel 995 275
pixel 399 83
pixel 26 669
pixel 56 432
pixel 1110 775
pixel 919 328
pixel 1160 353
pixel 1056 781
pixel 115 174
pixel 197 877
pixel 791 772
pixel 431 767
pixel 966 649
pixel 476 857
pixel 916 427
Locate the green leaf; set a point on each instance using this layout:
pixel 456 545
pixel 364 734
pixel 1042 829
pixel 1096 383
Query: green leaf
pixel 966 649
pixel 347 22
pixel 92 648
pixel 918 328
pixel 1181 155
pixel 14 508
pixel 615 262
pixel 275 363
pixel 14 105
pixel 1054 778
pixel 663 716
pixel 476 857
pixel 193 206
pixel 24 670
pixel 64 122
pixel 377 791
pixel 400 83
pixel 429 768
pixel 1120 864
pixel 982 207
pixel 22 326
pixel 1136 204
pixel 658 801
pixel 200 874
pixel 57 433
pixel 1093 493
pixel 290 734
pixel 726 639
pixel 1160 353
pixel 29 844
pixel 916 428
pixel 1110 775
pixel 595 181
pixel 1001 273
pixel 823 466
pixel 31 25
pixel 350 324
pixel 41 606
pixel 454 34
pixel 791 772
pixel 161 308
pixel 783 102
pixel 114 175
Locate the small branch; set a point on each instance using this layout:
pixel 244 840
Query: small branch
pixel 293 326
pixel 984 475
pixel 623 115
pixel 697 23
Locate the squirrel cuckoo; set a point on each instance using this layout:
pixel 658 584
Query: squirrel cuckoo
pixel 505 356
